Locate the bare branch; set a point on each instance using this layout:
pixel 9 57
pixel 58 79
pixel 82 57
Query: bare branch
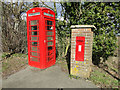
pixel 47 5
pixel 20 6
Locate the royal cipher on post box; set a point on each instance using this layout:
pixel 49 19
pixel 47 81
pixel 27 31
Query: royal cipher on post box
pixel 41 37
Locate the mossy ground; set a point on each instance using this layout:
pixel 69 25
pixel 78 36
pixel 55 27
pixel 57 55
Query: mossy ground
pixel 13 64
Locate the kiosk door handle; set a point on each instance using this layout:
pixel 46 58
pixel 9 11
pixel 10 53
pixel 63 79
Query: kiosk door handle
pixel 44 41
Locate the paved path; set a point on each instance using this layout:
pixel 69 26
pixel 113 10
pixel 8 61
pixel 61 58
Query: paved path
pixel 0 70
pixel 0 75
pixel 51 77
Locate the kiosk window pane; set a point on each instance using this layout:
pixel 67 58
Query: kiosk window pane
pixel 34 59
pixel 50 58
pixel 34 54
pixel 50 43
pixel 33 27
pixel 49 48
pixel 49 22
pixel 34 43
pixel 49 28
pixel 34 38
pixel 34 48
pixel 34 22
pixel 49 33
pixel 49 38
pixel 34 33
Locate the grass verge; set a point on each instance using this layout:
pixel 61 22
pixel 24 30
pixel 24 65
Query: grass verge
pixel 13 64
pixel 103 79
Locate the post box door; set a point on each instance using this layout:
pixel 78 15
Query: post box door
pixel 80 45
pixel 50 39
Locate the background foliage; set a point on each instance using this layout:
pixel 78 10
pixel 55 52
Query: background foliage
pixel 105 17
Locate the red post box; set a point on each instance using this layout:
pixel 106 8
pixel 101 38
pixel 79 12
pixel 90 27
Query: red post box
pixel 80 45
pixel 41 37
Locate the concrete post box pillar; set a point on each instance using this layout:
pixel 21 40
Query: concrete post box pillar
pixel 81 50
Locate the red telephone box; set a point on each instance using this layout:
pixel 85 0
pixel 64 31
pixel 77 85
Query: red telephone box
pixel 80 46
pixel 41 37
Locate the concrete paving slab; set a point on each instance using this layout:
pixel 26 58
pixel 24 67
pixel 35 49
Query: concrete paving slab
pixel 51 77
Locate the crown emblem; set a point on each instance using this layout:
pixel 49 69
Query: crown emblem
pixel 33 10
